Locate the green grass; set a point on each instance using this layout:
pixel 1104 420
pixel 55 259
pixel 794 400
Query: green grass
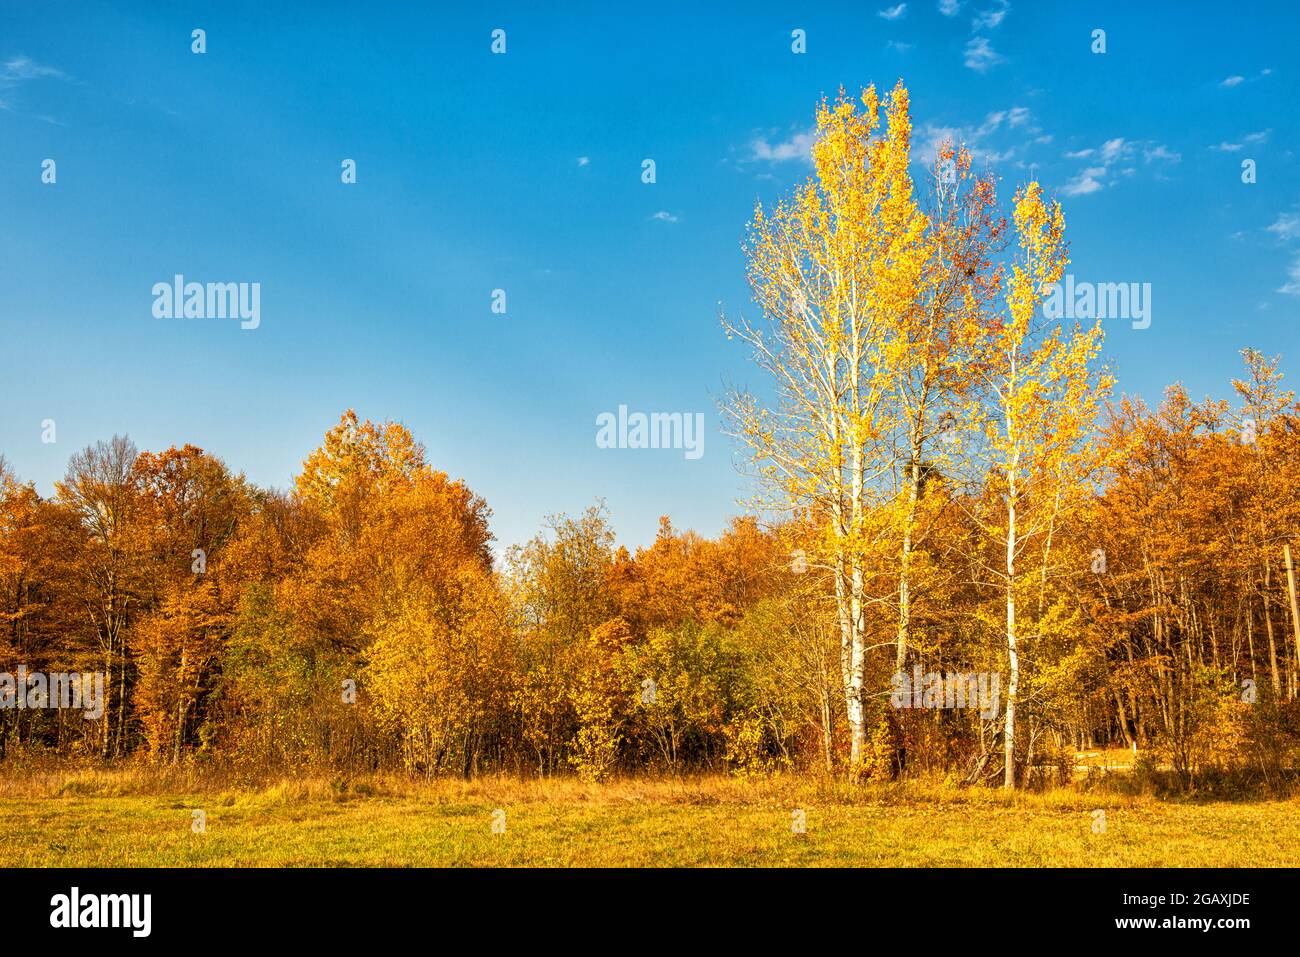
pixel 100 819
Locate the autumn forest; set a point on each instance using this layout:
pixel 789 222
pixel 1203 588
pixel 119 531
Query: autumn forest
pixel 942 481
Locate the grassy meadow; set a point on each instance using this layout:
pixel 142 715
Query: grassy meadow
pixel 138 817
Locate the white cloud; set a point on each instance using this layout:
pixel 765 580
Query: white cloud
pixel 1258 137
pixel 19 70
pixel 931 137
pixel 24 68
pixel 1087 181
pixel 1292 286
pixel 893 13
pixel 584 160
pixel 1016 116
pixel 949 8
pixel 1287 229
pixel 1112 150
pixel 980 55
pixel 1237 80
pixel 899 46
pixel 663 216
pixel 1161 152
pixel 1113 157
pixel 798 146
pixel 1287 226
pixel 992 17
pixel 991 122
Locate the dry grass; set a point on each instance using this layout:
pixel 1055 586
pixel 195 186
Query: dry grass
pixel 141 816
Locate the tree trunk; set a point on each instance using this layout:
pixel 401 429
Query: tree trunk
pixel 1295 608
pixel 1268 625
pixel 851 667
pixel 905 561
pixel 1009 728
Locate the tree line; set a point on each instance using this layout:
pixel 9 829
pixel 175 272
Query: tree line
pixel 944 483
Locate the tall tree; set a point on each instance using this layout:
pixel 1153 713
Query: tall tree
pixel 929 352
pixel 1042 396
pixel 98 487
pixel 833 269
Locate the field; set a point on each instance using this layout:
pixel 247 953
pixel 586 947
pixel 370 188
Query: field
pixel 123 819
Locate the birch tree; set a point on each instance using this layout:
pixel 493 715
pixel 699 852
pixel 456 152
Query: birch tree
pixel 1264 400
pixel 832 269
pixel 1042 395
pixel 929 352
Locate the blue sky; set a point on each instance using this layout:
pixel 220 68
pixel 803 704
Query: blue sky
pixel 523 172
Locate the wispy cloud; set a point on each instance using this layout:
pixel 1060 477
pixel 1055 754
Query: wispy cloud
pixel 1086 181
pixel 663 216
pixel 1161 154
pixel 1112 150
pixel 991 18
pixel 893 13
pixel 1286 226
pixel 980 55
pixel 949 8
pixel 1292 286
pixel 21 70
pixel 898 46
pixel 24 68
pixel 1237 80
pixel 931 137
pixel 1251 139
pixel 796 147
pixel 584 160
pixel 1112 157
pixel 1095 177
